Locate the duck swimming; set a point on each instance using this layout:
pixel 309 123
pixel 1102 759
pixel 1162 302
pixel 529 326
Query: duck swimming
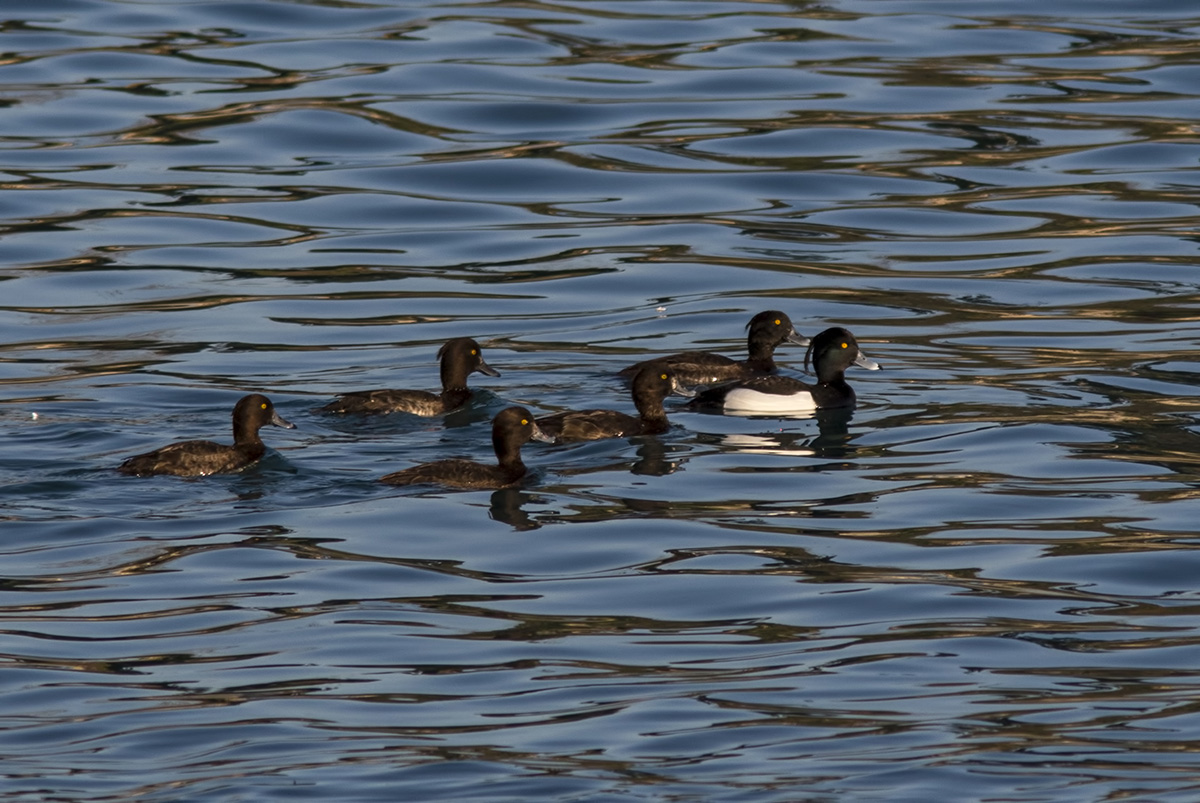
pixel 832 352
pixel 201 458
pixel 511 428
pixel 459 358
pixel 766 331
pixel 652 384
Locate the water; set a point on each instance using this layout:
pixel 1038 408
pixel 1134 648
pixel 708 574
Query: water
pixel 981 586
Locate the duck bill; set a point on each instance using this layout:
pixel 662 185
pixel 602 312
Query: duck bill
pixel 280 421
pixel 486 369
pixel 798 339
pixel 863 361
pixel 538 434
pixel 679 390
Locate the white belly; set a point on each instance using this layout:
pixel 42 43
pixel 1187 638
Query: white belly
pixel 743 400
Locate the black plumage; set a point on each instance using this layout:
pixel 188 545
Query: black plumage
pixel 832 352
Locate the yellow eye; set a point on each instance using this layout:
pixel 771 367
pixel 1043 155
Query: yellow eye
pixel 777 322
pixel 264 406
pixel 662 376
pixel 524 421
pixel 845 345
pixel 473 352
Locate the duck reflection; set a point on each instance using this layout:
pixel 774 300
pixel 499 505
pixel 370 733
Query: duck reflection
pixel 652 458
pixel 656 459
pixel 833 439
pixel 508 507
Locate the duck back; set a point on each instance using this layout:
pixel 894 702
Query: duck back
pixel 694 367
pixel 417 402
pixel 193 459
pixel 592 425
pixel 459 473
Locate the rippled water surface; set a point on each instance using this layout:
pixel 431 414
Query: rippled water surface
pixel 981 586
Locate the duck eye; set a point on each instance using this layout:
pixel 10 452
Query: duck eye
pixel 264 406
pixel 524 421
pixel 777 322
pixel 662 376
pixel 845 345
pixel 473 352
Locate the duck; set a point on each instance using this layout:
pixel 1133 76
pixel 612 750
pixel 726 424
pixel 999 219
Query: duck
pixel 200 458
pixel 652 384
pixel 511 428
pixel 460 357
pixel 766 331
pixel 832 352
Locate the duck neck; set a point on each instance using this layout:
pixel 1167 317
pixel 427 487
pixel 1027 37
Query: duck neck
pixel 652 414
pixel 508 452
pixel 762 356
pixel 832 379
pixel 245 434
pixel 453 376
pixel 455 397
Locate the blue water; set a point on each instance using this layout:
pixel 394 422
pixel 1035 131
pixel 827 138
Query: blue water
pixel 981 586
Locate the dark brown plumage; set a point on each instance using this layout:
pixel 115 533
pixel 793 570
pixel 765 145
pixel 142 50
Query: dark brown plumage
pixel 651 385
pixel 201 458
pixel 511 428
pixel 459 358
pixel 766 331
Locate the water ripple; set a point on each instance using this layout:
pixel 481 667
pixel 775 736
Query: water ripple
pixel 981 579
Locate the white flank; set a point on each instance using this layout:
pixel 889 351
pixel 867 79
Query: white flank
pixel 743 400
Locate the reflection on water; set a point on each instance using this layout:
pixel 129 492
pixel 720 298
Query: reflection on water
pixel 980 579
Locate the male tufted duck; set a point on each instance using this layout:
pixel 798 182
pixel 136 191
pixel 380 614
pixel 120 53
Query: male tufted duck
pixel 766 331
pixel 651 385
pixel 511 428
pixel 832 352
pixel 459 357
pixel 201 458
